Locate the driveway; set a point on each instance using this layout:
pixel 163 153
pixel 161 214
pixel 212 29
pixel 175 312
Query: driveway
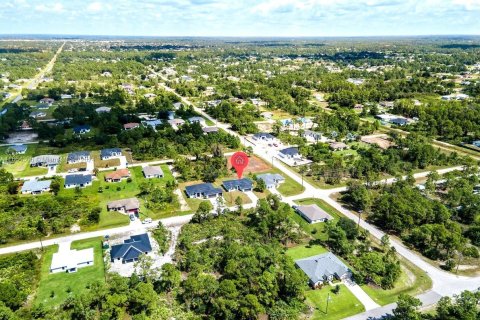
pixel 358 292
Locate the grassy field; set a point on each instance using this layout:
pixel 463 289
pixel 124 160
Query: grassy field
pixel 305 251
pixel 64 284
pixel 123 190
pixel 412 281
pixel 111 163
pixel 232 195
pixel 340 305
pixel 21 167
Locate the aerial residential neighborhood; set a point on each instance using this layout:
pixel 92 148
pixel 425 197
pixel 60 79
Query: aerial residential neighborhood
pixel 274 160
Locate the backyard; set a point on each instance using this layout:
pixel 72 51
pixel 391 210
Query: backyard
pixel 53 289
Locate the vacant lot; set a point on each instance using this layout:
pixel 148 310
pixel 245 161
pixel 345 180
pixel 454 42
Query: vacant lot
pixel 53 289
pixel 305 251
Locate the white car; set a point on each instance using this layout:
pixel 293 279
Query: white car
pixel 147 221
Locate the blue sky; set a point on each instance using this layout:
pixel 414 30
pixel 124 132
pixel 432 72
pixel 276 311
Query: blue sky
pixel 285 18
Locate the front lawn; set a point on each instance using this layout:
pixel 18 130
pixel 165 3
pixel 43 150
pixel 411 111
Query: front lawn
pixel 340 305
pixel 54 288
pixel 289 187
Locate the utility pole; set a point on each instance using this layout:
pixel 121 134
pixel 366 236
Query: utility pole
pixel 328 299
pixel 359 218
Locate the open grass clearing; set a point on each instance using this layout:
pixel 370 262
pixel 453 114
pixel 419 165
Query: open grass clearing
pixel 305 251
pixel 341 305
pixel 54 288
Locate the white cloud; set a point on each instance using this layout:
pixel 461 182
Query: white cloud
pixel 56 8
pixel 95 7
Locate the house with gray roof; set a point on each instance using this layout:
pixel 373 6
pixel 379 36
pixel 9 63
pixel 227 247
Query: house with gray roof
pixel 203 190
pixel 199 120
pixel 263 136
pixel 78 156
pixel 77 180
pixel 36 186
pixel 103 110
pixel 18 149
pixel 47 160
pixel 312 213
pixel 208 130
pixel 290 153
pixel 106 154
pixel 272 180
pixel 152 172
pixel 243 185
pixel 131 249
pixel 127 206
pixel 323 268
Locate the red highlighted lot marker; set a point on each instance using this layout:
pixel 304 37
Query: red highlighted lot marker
pixel 239 161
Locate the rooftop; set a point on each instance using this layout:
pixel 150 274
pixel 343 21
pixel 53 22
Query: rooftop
pixel 313 212
pixel 322 265
pixel 36 185
pixel 77 179
pixel 128 204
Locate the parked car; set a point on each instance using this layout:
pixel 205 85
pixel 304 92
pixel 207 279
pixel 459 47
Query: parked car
pixel 132 217
pixel 147 221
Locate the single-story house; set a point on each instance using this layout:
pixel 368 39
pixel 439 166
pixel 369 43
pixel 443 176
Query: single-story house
pixel 130 205
pixel 131 249
pixel 323 268
pixel 36 186
pixel 78 156
pixel 82 129
pixel 208 130
pixel 117 175
pixel 272 180
pixel 42 106
pixel 66 96
pixel 290 153
pixel 313 213
pixel 399 121
pixel 152 172
pixel 152 123
pixel 199 120
pixel 263 136
pixel 77 180
pixel 177 105
pixel 338 146
pixel 103 110
pixel 111 153
pixel 47 160
pixel 131 125
pixel 175 123
pixel 203 190
pixel 48 101
pixel 38 114
pixel 312 135
pixel 476 143
pixel 18 149
pixel 243 185
pixel 70 260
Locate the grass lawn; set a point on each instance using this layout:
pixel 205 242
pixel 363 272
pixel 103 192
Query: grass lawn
pixel 305 251
pixel 289 187
pixel 316 229
pixel 60 283
pixel 232 195
pixel 111 163
pixel 21 167
pixel 123 190
pixel 341 305
pixel 412 281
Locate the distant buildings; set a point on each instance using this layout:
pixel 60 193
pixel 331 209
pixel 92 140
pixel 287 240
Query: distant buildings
pixel 106 154
pixel 117 175
pixel 272 180
pixel 131 125
pixel 48 101
pixel 199 120
pixel 45 161
pixel 82 129
pixel 78 156
pixel 263 136
pixel 290 153
pixel 103 110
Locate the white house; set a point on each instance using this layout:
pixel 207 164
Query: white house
pixel 70 260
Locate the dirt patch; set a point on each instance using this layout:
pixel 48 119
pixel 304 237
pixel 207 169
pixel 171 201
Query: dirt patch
pixel 255 165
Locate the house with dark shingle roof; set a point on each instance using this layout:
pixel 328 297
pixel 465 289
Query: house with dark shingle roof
pixel 263 136
pixel 312 213
pixel 77 180
pixel 106 154
pixel 290 153
pixel 36 186
pixel 323 268
pixel 78 156
pixel 243 185
pixel 82 129
pixel 131 249
pixel 203 190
